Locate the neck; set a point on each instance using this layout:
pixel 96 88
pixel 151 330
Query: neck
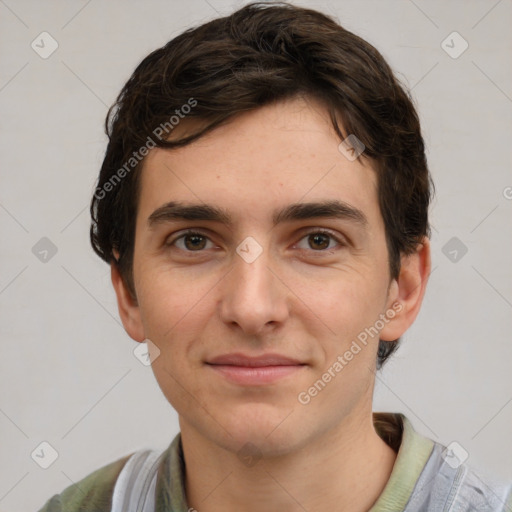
pixel 345 469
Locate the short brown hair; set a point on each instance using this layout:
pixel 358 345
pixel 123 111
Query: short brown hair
pixel 263 53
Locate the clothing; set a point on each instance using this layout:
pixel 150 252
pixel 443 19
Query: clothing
pixel 421 479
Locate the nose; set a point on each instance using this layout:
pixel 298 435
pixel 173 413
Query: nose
pixel 254 299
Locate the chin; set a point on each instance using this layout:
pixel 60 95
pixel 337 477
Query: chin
pixel 274 431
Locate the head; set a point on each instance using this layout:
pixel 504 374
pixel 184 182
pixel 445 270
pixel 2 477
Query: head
pixel 232 130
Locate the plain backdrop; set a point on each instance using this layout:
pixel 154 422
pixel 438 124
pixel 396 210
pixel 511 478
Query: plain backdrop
pixel 68 375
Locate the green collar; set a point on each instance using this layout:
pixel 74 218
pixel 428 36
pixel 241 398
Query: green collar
pixel 413 453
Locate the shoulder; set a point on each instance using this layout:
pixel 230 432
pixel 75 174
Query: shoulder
pixel 91 494
pixel 480 490
pixel 446 483
pixel 488 490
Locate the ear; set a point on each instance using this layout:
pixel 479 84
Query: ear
pixel 128 308
pixel 406 293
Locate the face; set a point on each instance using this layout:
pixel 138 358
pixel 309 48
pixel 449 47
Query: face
pixel 260 257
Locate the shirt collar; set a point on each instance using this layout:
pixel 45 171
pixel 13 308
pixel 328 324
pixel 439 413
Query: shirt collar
pixel 413 452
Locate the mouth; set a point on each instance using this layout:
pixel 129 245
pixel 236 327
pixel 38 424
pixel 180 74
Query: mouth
pixel 254 371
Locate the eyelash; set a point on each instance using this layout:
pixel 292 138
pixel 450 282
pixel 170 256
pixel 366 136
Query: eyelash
pixel 314 231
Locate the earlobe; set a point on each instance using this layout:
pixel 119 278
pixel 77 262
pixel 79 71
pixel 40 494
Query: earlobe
pixel 407 292
pixel 128 308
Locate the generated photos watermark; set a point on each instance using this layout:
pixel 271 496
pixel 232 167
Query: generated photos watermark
pixel 160 132
pixel 305 397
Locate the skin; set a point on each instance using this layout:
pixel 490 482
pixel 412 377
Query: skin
pixel 299 298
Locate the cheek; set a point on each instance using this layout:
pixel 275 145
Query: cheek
pixel 171 301
pixel 174 312
pixel 350 310
pixel 343 300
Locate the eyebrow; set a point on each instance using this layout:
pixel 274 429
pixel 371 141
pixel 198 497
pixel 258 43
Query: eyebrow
pixel 175 211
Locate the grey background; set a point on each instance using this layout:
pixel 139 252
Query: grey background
pixel 68 375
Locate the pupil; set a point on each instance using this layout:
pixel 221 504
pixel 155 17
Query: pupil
pixel 194 242
pixel 319 239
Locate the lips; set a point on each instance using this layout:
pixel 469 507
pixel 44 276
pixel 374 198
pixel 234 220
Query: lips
pixel 254 362
pixel 254 371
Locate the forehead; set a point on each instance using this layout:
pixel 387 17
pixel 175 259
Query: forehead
pixel 279 154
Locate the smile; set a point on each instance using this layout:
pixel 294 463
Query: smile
pixel 254 371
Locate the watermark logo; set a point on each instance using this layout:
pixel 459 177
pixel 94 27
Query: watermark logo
pixel 44 455
pixel 146 352
pixel 454 45
pixel 351 147
pixel 249 249
pixel 44 45
pixel 454 249
pixel 249 455
pixel 44 250
pixel 454 455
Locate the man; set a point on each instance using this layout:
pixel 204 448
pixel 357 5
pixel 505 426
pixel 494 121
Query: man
pixel 263 204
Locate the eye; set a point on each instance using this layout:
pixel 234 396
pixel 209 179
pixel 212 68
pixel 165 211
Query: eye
pixel 319 240
pixel 191 242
